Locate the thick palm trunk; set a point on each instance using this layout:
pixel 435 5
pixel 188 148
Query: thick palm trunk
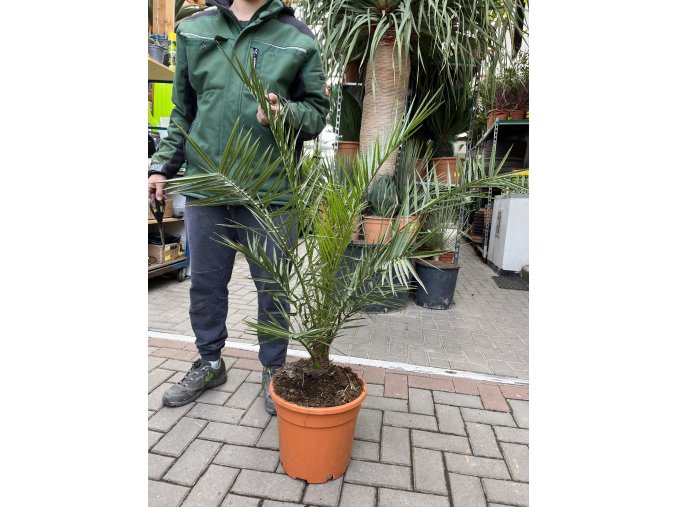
pixel 385 97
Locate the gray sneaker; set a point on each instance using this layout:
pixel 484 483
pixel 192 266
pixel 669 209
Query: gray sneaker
pixel 200 378
pixel 267 400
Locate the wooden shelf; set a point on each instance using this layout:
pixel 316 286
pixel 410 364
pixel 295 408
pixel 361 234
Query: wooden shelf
pixel 158 72
pixel 165 220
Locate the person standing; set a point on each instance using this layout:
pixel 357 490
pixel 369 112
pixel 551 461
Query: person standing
pixel 209 98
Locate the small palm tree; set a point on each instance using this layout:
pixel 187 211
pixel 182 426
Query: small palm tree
pixel 325 289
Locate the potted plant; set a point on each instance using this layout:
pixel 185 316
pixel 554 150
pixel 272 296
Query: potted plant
pixel 317 295
pixel 449 120
pixel 407 187
pixel 349 127
pixel 382 200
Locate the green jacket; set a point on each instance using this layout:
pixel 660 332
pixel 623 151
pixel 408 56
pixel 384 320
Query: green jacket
pixel 209 97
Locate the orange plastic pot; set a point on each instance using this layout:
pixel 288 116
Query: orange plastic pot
pixel 377 229
pixel 445 167
pixel 316 443
pixel 348 150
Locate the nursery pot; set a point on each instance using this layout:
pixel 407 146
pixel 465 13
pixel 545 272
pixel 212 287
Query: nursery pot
pixel 439 280
pixel 156 52
pixel 410 223
pixel 315 443
pixel 348 150
pixel 445 166
pixel 421 167
pixel 518 114
pixel 377 229
pixel 496 114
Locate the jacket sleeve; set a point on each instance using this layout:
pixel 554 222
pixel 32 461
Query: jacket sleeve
pixel 308 106
pixel 171 152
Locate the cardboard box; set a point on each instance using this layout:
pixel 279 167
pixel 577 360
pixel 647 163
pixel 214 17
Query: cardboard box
pixel 171 252
pixel 169 210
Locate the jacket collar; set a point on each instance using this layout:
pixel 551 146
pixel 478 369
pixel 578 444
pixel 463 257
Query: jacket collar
pixel 270 9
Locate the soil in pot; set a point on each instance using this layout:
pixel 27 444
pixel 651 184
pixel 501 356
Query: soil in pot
pixel 301 384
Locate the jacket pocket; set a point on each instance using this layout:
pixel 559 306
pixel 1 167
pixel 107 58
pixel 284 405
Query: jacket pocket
pixel 206 62
pixel 278 64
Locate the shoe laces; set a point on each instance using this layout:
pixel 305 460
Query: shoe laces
pixel 194 372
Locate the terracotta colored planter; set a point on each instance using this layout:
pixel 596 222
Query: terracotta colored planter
pixel 356 230
pixel 518 114
pixel 496 114
pixel 447 257
pixel 348 150
pixel 315 443
pixel 410 222
pixel 377 229
pixel 352 74
pixel 445 166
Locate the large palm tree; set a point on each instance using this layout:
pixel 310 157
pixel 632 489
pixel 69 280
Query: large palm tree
pixel 388 34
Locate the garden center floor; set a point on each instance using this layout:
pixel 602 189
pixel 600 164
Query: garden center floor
pixel 420 440
pixel 486 330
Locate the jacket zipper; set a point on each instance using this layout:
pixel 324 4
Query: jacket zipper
pixel 255 56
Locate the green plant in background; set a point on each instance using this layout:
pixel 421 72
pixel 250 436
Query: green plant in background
pixel 382 197
pixel 311 274
pixel 406 178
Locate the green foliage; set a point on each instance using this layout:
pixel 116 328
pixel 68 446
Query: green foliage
pixel 311 274
pixel 382 197
pixel 406 178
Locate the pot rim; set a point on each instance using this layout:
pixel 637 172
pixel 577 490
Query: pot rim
pixel 423 263
pixel 319 410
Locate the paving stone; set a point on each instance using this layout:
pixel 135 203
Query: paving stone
pixel 378 474
pixel 166 417
pixel 269 437
pixel 215 413
pixel 514 435
pixel 457 400
pixel 487 417
pixel 255 377
pixel 466 491
pixel 176 365
pixel 395 447
pixel 214 397
pixel 212 487
pixel 244 396
pixel 275 503
pixel 155 398
pixel 158 465
pixel 395 498
pixel 465 386
pixel 163 494
pixel 421 402
pixel 520 412
pixel 396 386
pixel 234 380
pixel 515 493
pixel 517 459
pixel 354 495
pixel 382 403
pixel 268 485
pixel 154 362
pixel 256 415
pixel 157 377
pixel 450 420
pixel 483 441
pixel 415 421
pixel 437 384
pixel 240 501
pixel 153 437
pixel 184 355
pixel 192 462
pixel 440 441
pixel 326 494
pixel 368 425
pixel 367 451
pixel 179 437
pixel 429 471
pixel 231 433
pixel 492 398
pixel 247 457
pixel 374 389
pixel 473 465
pixel 515 392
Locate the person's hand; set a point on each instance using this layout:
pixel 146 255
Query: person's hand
pixel 156 186
pixel 275 109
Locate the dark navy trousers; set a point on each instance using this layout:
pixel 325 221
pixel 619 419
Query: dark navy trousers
pixel 211 265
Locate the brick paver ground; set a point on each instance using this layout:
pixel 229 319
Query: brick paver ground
pixel 485 331
pixel 420 440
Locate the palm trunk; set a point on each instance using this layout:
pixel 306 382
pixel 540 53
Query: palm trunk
pixel 385 97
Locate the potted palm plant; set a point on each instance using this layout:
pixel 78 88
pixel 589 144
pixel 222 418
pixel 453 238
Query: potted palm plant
pixel 317 296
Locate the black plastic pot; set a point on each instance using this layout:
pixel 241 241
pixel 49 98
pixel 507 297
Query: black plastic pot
pixel 396 301
pixel 440 284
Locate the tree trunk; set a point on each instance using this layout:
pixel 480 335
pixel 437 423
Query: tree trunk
pixel 384 98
